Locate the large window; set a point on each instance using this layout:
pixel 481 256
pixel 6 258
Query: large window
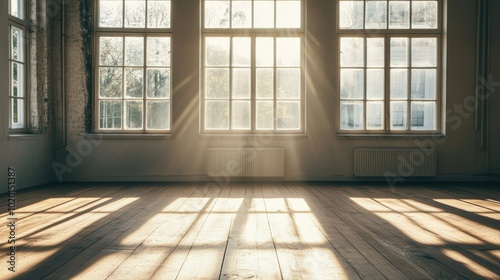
pixel 253 66
pixel 133 77
pixel 17 66
pixel 389 56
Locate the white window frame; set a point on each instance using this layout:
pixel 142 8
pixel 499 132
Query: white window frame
pixel 387 34
pixel 253 33
pixel 143 32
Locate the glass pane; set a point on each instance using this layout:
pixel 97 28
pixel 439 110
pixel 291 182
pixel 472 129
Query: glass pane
pixel 110 114
pixel 158 53
pixel 288 115
pixel 216 83
pixel 216 115
pixel 110 13
pixel 376 15
pixel 288 83
pixel 351 14
pixel 265 115
pixel 111 51
pixel 375 115
pixel 352 52
pixel 288 51
pixel 241 83
pixel 241 115
pixel 133 114
pixel 352 83
pixel 17 113
pixel 158 115
pixel 17 79
pixel 242 14
pixel 134 51
pixel 217 51
pixel 351 115
pixel 133 82
pixel 375 52
pixel 399 52
pixel 424 14
pixel 135 13
pixel 159 14
pixel 216 14
pixel 399 115
pixel 399 14
pixel 288 14
pixel 110 82
pixel 264 51
pixel 17 8
pixel 241 52
pixel 423 115
pixel 263 15
pixel 158 85
pixel 423 52
pixel 399 84
pixel 17 43
pixel 264 83
pixel 375 84
pixel 423 84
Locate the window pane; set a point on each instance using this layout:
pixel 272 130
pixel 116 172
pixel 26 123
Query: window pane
pixel 424 14
pixel 351 115
pixel 242 14
pixel 158 114
pixel 17 8
pixel 133 82
pixel 375 115
pixel 375 84
pixel 288 51
pixel 264 51
pixel 17 80
pixel 133 114
pixel 288 83
pixel 110 82
pixel 423 84
pixel 352 52
pixel 287 14
pixel 375 52
pixel 159 14
pixel 216 14
pixel 134 51
pixel 399 84
pixel 399 14
pixel 216 114
pixel 288 115
pixel 17 113
pixel 351 14
pixel 110 114
pixel 423 115
pixel 135 13
pixel 217 51
pixel 111 51
pixel 241 83
pixel 399 52
pixel 423 52
pixel 158 51
pixel 352 83
pixel 17 43
pixel 265 115
pixel 158 85
pixel 399 115
pixel 263 14
pixel 110 13
pixel 264 83
pixel 217 83
pixel 241 52
pixel 241 115
pixel 376 15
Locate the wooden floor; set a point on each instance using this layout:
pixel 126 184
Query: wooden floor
pixel 255 230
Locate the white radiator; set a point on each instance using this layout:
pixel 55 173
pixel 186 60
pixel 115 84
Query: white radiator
pixel 404 162
pixel 246 162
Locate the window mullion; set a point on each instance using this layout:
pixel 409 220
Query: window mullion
pixel 387 82
pixel 408 96
pixel 253 84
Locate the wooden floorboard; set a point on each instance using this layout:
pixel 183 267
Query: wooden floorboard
pixel 250 230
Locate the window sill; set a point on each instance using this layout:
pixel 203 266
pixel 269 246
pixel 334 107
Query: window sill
pixel 24 136
pixel 128 136
pixel 391 136
pixel 206 135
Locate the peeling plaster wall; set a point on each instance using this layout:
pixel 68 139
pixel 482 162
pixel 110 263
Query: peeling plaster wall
pixel 320 155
